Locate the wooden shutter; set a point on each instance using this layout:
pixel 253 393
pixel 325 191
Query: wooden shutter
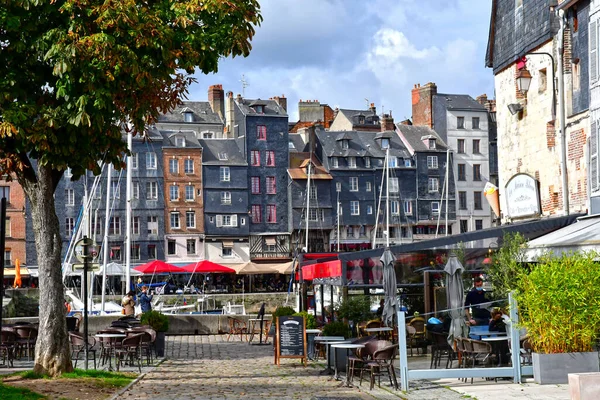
pixel 594 156
pixel 219 221
pixel 593 51
pixel 234 220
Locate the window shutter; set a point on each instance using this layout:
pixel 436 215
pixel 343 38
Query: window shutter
pixel 234 220
pixel 594 156
pixel 593 51
pixel 219 221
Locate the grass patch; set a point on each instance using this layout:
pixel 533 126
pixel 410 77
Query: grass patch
pixel 100 378
pixel 15 393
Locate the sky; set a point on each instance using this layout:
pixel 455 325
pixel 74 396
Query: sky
pixel 348 53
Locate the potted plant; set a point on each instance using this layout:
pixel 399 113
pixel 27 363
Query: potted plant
pixel 160 323
pixel 558 304
pixel 355 309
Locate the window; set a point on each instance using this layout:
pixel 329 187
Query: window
pixel 151 190
pixel 354 184
pixel 114 227
pixel 68 173
pixel 576 75
pixel 70 197
pixel 173 166
pixel 190 219
pixel 464 226
pixel 462 200
pixel 350 231
pixel 351 162
pixel 476 146
pixel 435 207
pixel 407 207
pixel 5 192
pixel 271 185
pixel 175 220
pixel 433 184
pixel 151 252
pixel 475 122
pixel 476 172
pixel 477 201
pixel 362 231
pixel 226 252
pixel 256 214
pixel 369 210
pixel 225 197
pixel 316 215
pixel 271 213
pixel 226 221
pixel 461 146
pixel 171 247
pixel 135 190
pixel 335 162
pixel 188 166
pixel 385 143
pixel 270 158
pixel 542 80
pixel 345 144
pixel 115 189
pixel 135 252
pixel 394 185
pixel 261 132
pixel 478 224
pixel 191 246
pixel 174 193
pixel 392 162
pixel 69 227
pixel 255 158
pixel 431 144
pixel 408 163
pixel 354 208
pixel 207 135
pixel 7 257
pixel 395 207
pixel 369 187
pixel 153 225
pixel 134 161
pixel 338 186
pixel 462 172
pixel 189 193
pixel 255 184
pixel 115 253
pixel 135 225
pixel 367 162
pixel 151 160
pixel 432 162
pixel 460 122
pixel 259 108
pixel 224 174
pixel 313 192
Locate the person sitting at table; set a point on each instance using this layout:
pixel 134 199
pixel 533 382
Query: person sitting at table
pixel 497 323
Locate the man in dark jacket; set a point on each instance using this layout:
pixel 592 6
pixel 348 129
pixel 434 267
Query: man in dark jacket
pixel 477 296
pixel 145 300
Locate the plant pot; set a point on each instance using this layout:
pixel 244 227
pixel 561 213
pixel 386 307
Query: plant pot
pixel 554 368
pixel 159 344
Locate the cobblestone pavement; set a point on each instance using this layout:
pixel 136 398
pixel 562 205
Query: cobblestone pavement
pixel 209 367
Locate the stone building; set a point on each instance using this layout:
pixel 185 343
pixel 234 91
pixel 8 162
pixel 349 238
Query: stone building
pixel 356 120
pixel 15 222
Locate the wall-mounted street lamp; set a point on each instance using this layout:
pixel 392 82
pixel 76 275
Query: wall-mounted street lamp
pixel 523 80
pixel 515 108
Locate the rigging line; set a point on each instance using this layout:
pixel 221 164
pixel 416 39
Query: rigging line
pixel 160 190
pixel 437 228
pixel 385 160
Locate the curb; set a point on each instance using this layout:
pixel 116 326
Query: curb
pixel 136 380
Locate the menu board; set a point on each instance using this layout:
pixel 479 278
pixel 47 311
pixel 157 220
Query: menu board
pixel 290 341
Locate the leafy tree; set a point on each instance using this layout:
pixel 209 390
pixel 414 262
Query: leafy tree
pixel 75 75
pixel 507 264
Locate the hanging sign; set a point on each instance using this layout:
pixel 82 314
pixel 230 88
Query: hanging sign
pixel 522 197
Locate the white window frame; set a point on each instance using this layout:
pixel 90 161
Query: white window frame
pixel 335 162
pixel 338 186
pixel 151 160
pixel 369 186
pixel 190 219
pixel 190 192
pixel 394 185
pixel 351 162
pixel 224 174
pixel 187 246
pixel 135 190
pixel 355 207
pixel 367 162
pixel 152 221
pixel 152 190
pixel 395 207
pixel 385 143
pixel 226 198
pixel 392 162
pixel 173 166
pixel 369 210
pixel 407 207
pixel 69 197
pixel 433 185
pixel 188 166
pixel 432 162
pixel 175 220
pixel 134 160
pixel 135 225
pixel 354 184
pixel 174 193
pixel 435 207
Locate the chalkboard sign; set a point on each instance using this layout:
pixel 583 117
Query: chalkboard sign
pixel 290 341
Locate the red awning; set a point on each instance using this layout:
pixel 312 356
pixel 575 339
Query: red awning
pixel 329 269
pixel 206 267
pixel 158 267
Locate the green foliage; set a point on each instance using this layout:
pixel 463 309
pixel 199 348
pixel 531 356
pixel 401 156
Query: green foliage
pixel 159 322
pixel 311 321
pixel 283 311
pixel 101 378
pixel 337 328
pixel 18 393
pixel 507 265
pixel 355 308
pixel 559 303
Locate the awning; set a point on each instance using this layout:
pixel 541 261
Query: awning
pixel 252 268
pixel 583 235
pixel 10 272
pixel 227 244
pixel 270 241
pixel 328 269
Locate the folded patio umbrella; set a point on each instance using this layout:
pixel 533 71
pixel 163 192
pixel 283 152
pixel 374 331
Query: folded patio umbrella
pixel 390 305
pixel 455 299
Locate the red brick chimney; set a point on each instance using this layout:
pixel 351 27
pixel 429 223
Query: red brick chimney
pixel 216 98
pixel 482 99
pixel 282 101
pixel 387 123
pixel 422 104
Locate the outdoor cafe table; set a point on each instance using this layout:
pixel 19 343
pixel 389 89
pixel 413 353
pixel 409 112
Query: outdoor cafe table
pixel 311 334
pixel 113 338
pixel 325 339
pixel 495 340
pixel 379 331
pixel 348 347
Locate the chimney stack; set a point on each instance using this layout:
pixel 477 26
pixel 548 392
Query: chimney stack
pixel 422 104
pixel 387 123
pixel 230 121
pixel 373 109
pixel 282 101
pixel 482 99
pixel 216 98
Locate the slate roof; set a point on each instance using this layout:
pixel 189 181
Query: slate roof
pixel 202 113
pixel 351 113
pixel 298 143
pixel 190 138
pixel 298 168
pixel 415 135
pixel 462 102
pixel 214 147
pixel 362 144
pixel 271 107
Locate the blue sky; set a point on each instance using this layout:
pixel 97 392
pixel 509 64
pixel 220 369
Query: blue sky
pixel 345 52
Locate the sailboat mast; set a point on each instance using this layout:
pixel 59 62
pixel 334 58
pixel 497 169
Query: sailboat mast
pixel 308 172
pixel 387 197
pixel 106 227
pixel 128 215
pixel 446 184
pixel 338 222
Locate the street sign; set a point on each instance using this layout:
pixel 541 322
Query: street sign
pixel 92 267
pixel 92 249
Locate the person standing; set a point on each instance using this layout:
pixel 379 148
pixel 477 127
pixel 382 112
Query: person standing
pixel 145 300
pixel 128 304
pixel 476 297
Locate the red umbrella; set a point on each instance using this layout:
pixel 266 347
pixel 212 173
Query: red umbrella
pixel 206 266
pixel 157 267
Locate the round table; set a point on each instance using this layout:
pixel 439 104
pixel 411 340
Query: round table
pixel 348 347
pixel 379 331
pixel 495 341
pixel 110 336
pixel 326 339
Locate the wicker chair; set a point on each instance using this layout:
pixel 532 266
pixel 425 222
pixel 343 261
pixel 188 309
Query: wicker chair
pixel 237 327
pixel 27 336
pixel 78 347
pixel 382 363
pixel 130 349
pixel 8 346
pixel 359 357
pixel 439 349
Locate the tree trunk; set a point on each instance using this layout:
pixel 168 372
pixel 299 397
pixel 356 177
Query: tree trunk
pixel 52 354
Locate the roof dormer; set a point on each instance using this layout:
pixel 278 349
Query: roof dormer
pixel 258 106
pixel 179 141
pixel 188 114
pixel 383 138
pixel 344 140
